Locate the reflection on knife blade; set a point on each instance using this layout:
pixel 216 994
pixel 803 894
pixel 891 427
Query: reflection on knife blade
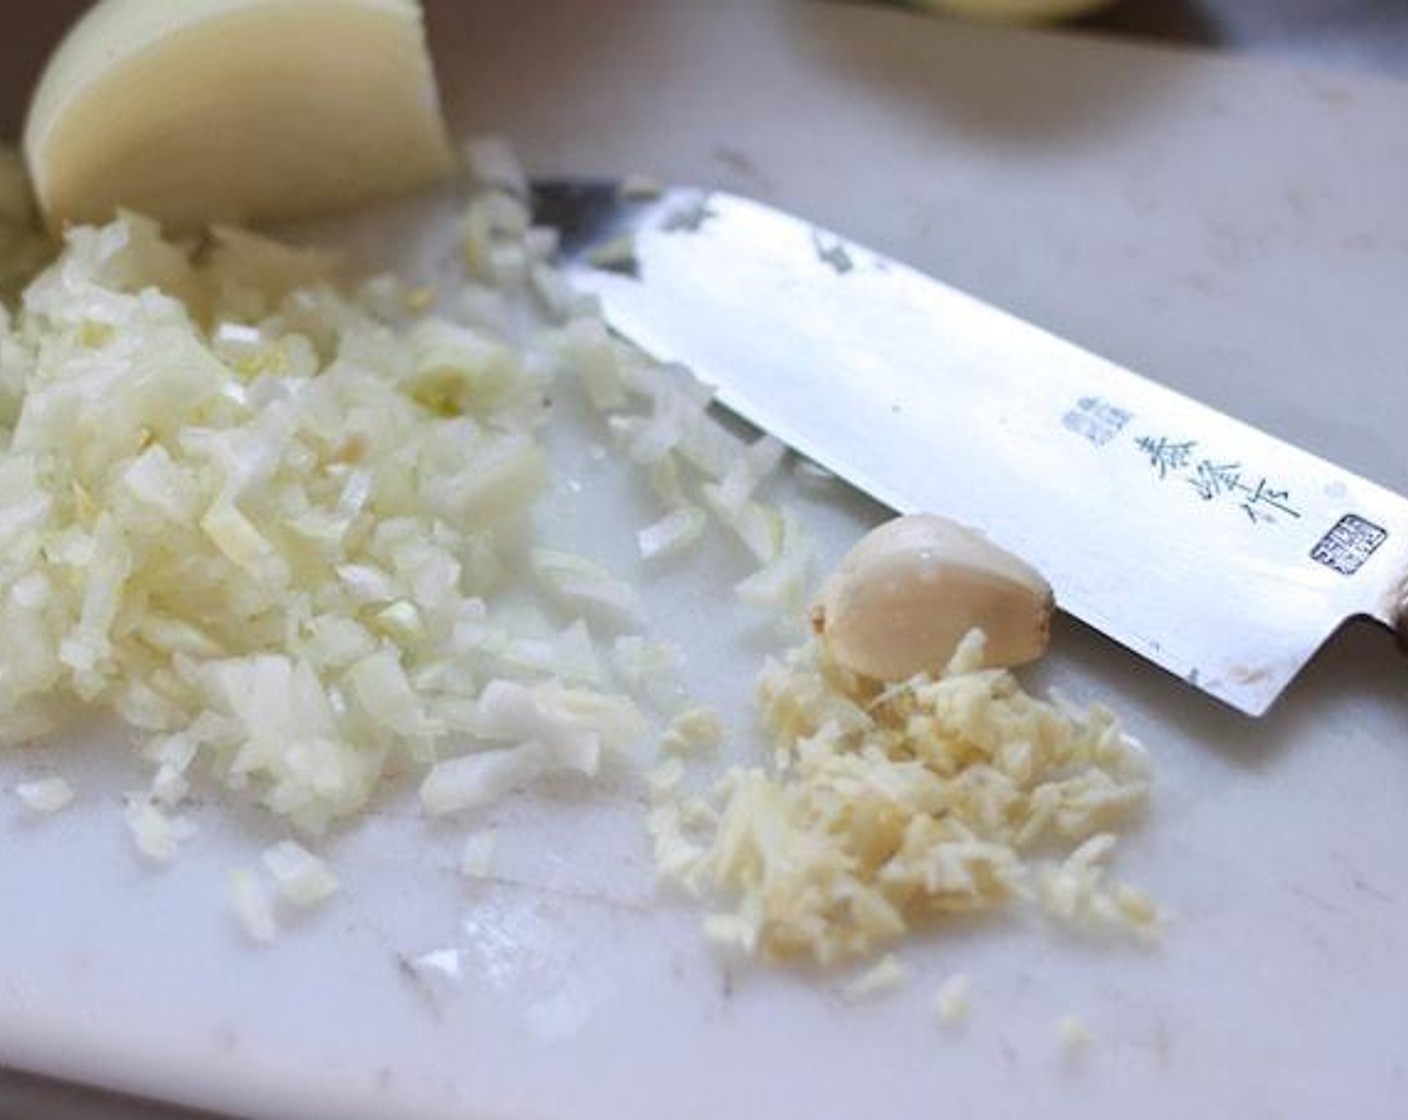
pixel 1215 550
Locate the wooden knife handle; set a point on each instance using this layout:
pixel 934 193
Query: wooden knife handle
pixel 1398 611
pixel 1399 619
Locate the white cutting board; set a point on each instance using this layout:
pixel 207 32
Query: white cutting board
pixel 1237 231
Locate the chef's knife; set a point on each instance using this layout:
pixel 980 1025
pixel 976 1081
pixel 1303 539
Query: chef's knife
pixel 1215 550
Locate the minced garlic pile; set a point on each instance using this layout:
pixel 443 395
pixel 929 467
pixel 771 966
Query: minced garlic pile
pixel 887 807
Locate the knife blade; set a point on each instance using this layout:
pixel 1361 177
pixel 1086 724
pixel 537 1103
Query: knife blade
pixel 1218 552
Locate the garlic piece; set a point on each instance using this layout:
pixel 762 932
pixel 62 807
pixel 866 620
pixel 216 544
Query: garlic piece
pixel 904 597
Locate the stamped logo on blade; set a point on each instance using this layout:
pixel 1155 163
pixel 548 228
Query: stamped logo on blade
pixel 1097 420
pixel 1348 544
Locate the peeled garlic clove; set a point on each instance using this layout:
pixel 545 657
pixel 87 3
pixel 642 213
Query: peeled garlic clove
pixel 904 597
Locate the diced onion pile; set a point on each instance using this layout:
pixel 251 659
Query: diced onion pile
pixel 264 518
pixel 889 806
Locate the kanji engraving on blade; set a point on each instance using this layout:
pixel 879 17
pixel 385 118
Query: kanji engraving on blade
pixel 1348 544
pixel 1211 479
pixel 1165 454
pixel 1264 501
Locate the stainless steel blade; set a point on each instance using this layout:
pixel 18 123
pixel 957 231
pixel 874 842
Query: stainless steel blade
pixel 1215 550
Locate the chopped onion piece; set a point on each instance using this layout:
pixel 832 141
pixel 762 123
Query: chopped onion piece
pixel 386 695
pixel 652 671
pixel 437 970
pixel 475 780
pixel 511 711
pixel 672 534
pixel 249 903
pixel 555 729
pixel 782 583
pixel 759 527
pixel 154 478
pixel 366 584
pixel 169 787
pixel 585 585
pixel 458 370
pixel 493 163
pixel 569 655
pixel 303 879
pixel 158 836
pixel 884 976
pixel 47 795
pixel 494 219
pixel 589 349
pixel 1074 1034
pixel 402 621
pixel 573 724
pixel 235 536
pixel 733 492
pixel 665 481
pixel 674 415
pixel 238 342
pixel 952 1000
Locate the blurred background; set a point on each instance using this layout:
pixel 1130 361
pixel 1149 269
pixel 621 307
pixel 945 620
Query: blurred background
pixel 1353 34
pixel 1361 35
